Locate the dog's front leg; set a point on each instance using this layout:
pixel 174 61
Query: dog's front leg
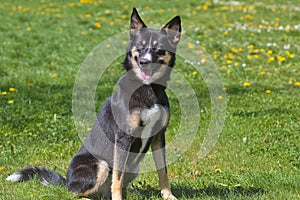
pixel 121 151
pixel 158 150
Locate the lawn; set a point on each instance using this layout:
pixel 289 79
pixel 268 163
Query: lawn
pixel 253 45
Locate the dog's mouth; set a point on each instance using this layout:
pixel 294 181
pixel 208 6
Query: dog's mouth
pixel 147 70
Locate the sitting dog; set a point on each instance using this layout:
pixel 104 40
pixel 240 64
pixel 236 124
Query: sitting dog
pixel 131 121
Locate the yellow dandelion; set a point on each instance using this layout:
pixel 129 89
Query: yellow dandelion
pixel 223 67
pixel 271 59
pixel 217 170
pixel 87 15
pixel 251 46
pixel 194 73
pixel 229 62
pixel 281 58
pixel 53 75
pixel 205 7
pixel 251 34
pixel 161 10
pixel 10 102
pixel 297 84
pixel 249 16
pixel 4 93
pixel 249 57
pixel 268 91
pixel 220 97
pixel 98 25
pixel 12 89
pixel 260 67
pixel 269 52
pixel 2 168
pixel 30 85
pixel 289 54
pixel 190 45
pixel 262 73
pixel 108 46
pixel 229 71
pixel 225 33
pixel 246 84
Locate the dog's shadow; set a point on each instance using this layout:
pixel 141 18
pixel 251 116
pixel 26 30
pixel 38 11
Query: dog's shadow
pixel 183 192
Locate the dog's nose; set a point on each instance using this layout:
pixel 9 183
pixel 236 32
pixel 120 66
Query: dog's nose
pixel 145 59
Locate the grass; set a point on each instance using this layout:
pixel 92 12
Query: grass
pixel 255 46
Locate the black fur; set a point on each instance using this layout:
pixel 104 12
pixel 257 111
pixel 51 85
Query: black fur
pixel 140 103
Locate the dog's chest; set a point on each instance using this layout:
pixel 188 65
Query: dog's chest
pixel 148 119
pixel 144 124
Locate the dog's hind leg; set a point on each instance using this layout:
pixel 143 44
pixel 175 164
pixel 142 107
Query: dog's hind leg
pixel 86 174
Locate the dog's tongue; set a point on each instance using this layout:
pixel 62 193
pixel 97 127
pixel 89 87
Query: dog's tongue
pixel 146 75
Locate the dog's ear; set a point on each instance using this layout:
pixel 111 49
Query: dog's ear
pixel 136 23
pixel 173 29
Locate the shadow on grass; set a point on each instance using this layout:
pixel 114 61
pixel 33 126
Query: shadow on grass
pixel 210 191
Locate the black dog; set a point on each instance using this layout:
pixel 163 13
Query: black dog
pixel 130 122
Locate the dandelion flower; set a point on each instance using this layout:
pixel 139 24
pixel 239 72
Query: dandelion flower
pixel 2 168
pixel 218 170
pixel 87 15
pixel 268 91
pixel 190 45
pixel 271 59
pixel 262 73
pixel 297 84
pixel 12 89
pixel 98 25
pixel 246 84
pixel 10 102
pixel 4 93
pixel 195 73
pixel 53 75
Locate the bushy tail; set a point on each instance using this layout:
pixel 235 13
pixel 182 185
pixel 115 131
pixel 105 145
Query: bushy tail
pixel 47 177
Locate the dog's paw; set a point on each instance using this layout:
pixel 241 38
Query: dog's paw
pixel 167 195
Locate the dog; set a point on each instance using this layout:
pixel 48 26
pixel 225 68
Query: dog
pixel 131 121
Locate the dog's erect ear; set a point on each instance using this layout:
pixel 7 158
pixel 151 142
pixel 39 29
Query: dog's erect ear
pixel 136 23
pixel 173 29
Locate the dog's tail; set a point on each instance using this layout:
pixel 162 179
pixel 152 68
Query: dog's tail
pixel 47 177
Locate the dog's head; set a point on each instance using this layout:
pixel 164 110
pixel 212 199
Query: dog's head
pixel 151 52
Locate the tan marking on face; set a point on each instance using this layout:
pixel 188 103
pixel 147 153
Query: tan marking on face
pixel 134 53
pixel 176 39
pixel 101 178
pixel 167 58
pixel 144 42
pixel 134 120
pixel 155 42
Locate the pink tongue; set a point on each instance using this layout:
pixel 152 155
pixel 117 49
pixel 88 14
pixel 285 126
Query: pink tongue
pixel 146 75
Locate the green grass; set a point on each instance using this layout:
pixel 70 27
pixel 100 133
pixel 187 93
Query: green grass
pixel 257 155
